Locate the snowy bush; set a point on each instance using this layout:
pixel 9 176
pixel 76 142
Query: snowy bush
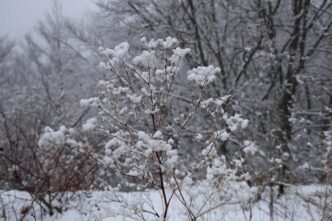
pixel 49 169
pixel 155 113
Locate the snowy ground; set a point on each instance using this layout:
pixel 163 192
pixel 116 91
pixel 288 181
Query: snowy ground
pixel 305 203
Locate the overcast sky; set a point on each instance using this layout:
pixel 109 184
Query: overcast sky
pixel 18 16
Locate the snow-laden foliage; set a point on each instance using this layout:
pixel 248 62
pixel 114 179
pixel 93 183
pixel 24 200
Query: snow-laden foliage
pixel 203 75
pixel 151 109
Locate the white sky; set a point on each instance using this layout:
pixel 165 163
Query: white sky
pixel 19 16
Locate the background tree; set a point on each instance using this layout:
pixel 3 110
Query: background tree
pixel 271 56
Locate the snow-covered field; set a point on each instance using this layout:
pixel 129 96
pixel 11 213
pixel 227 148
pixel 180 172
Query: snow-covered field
pixel 304 203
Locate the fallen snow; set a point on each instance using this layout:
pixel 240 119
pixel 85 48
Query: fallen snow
pixel 304 203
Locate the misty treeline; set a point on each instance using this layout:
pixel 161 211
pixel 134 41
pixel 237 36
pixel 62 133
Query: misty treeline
pixel 274 60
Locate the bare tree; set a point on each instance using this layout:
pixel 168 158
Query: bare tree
pixel 273 57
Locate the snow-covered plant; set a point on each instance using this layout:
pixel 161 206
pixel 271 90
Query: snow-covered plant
pixel 50 168
pixel 156 112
